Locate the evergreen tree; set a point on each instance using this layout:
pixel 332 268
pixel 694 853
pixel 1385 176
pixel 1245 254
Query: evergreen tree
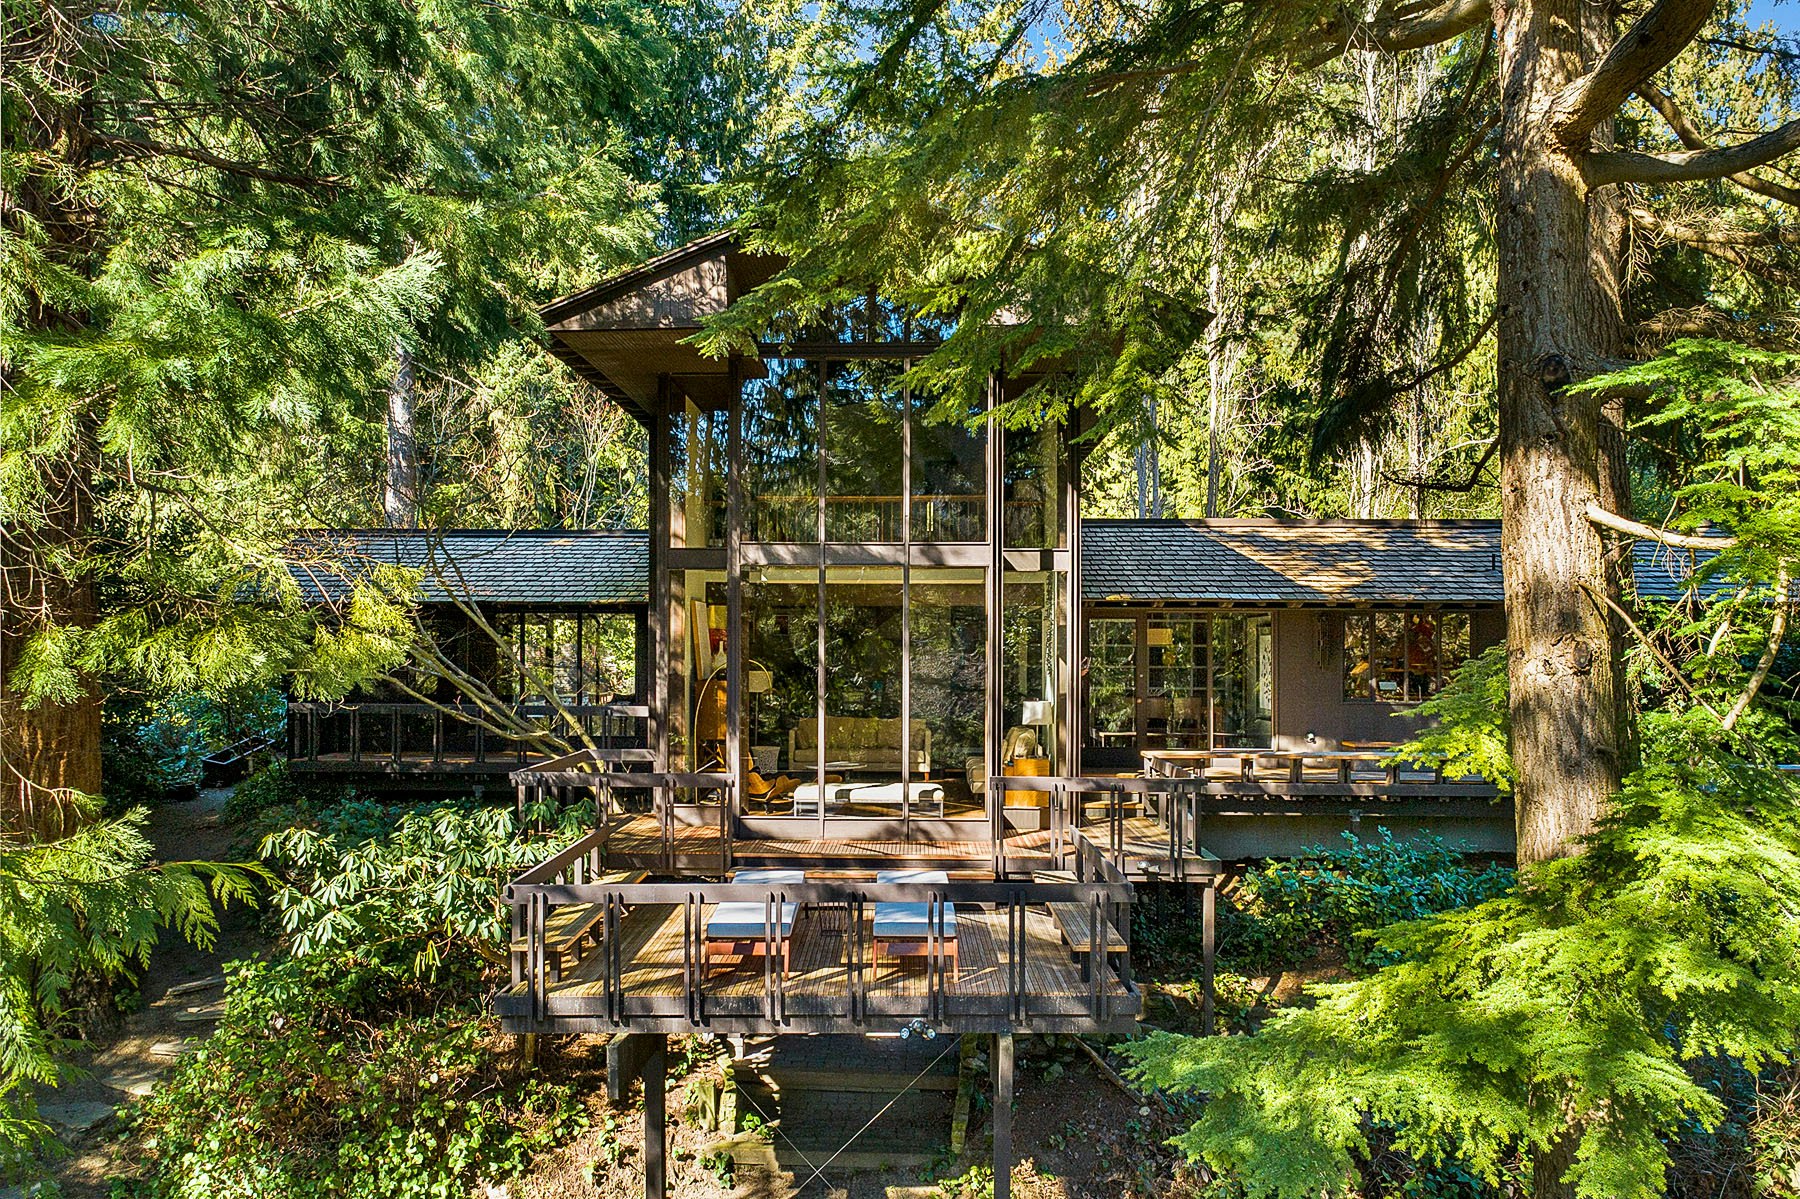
pixel 220 220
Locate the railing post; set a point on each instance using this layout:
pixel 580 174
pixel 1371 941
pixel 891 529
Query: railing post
pixel 355 735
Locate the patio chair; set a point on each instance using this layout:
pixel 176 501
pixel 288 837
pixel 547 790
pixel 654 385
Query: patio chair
pixel 741 928
pixel 905 928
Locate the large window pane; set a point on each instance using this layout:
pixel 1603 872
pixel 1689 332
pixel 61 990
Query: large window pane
pixel 949 691
pixel 865 446
pixel 862 754
pixel 698 458
pixel 781 452
pixel 1112 683
pixel 1243 684
pixel 1175 708
pixel 780 709
pixel 949 473
pixel 1033 488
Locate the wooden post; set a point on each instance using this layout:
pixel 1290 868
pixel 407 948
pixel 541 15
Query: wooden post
pixel 1208 929
pixel 1003 1096
pixel 656 1178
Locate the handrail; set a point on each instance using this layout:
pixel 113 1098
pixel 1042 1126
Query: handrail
pixel 535 895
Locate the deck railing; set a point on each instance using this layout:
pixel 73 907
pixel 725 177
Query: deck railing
pixel 380 735
pixel 1378 771
pixel 1105 994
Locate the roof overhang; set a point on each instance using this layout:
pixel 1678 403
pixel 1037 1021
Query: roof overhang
pixel 624 333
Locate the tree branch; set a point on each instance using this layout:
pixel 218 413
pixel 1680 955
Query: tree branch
pixel 1466 485
pixel 1631 528
pixel 1651 43
pixel 1784 601
pixel 1602 167
pixel 1393 34
pixel 1690 137
pixel 1649 643
pixel 148 149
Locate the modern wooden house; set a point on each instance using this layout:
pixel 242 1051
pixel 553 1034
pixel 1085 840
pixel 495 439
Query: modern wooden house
pixel 901 729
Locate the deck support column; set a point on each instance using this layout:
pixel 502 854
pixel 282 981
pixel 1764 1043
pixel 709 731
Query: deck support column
pixel 1003 1097
pixel 656 1177
pixel 1209 920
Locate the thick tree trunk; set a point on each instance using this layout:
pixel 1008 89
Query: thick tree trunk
pixel 400 498
pixel 50 752
pixel 1559 317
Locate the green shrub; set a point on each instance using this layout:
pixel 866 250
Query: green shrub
pixel 1325 900
pixel 301 1093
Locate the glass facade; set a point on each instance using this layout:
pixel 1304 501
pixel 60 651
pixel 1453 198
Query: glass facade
pixel 868 687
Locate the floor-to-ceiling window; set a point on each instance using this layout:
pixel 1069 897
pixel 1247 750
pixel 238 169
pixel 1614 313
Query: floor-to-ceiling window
pixel 1175 680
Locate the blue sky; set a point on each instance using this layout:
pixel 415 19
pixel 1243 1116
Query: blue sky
pixel 1786 15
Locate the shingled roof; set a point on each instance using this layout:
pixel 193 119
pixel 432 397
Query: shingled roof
pixel 504 566
pixel 1304 562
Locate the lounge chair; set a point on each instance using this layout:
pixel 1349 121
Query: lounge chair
pixel 905 928
pixel 741 928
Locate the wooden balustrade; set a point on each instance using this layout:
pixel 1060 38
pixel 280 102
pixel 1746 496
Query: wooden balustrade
pixel 386 736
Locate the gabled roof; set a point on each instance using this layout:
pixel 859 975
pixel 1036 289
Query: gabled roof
pixel 1298 562
pixel 500 566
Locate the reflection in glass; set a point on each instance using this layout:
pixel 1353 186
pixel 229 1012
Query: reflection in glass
pixel 1033 488
pixel 863 734
pixel 865 447
pixel 1176 710
pixel 1243 683
pixel 949 473
pixel 780 452
pixel 1112 683
pixel 949 656
pixel 698 464
pixel 780 706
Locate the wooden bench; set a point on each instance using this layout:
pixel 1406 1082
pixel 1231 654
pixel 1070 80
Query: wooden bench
pixel 574 925
pixel 1074 921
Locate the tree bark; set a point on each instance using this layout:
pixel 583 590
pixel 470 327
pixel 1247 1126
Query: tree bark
pixel 1560 316
pixel 50 752
pixel 400 498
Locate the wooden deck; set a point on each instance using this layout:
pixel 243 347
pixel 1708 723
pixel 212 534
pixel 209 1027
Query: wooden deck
pixel 822 992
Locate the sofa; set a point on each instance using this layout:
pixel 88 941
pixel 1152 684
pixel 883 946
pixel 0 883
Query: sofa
pixel 871 741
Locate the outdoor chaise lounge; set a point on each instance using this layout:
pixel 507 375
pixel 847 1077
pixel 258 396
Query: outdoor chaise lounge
pixel 904 929
pixel 742 928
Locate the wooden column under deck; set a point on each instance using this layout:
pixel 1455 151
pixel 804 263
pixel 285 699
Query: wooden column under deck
pixel 656 1073
pixel 1003 1097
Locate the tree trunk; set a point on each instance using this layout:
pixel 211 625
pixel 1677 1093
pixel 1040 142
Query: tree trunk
pixel 50 752
pixel 1559 316
pixel 400 499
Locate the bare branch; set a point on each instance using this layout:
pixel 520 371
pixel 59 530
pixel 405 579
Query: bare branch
pixel 1649 643
pixel 134 148
pixel 1784 602
pixel 1690 137
pixel 1651 43
pixel 1632 528
pixel 1627 166
pixel 1466 485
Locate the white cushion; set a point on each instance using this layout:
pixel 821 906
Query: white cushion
pixel 768 876
pixel 743 921
pixel 911 919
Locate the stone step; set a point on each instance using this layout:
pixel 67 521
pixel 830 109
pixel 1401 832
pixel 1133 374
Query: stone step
pixel 210 983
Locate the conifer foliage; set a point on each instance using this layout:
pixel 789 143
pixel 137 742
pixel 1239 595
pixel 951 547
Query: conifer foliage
pixel 220 220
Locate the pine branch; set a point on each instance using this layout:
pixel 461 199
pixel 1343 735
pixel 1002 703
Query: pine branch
pixel 1651 43
pixel 1392 33
pixel 1627 166
pixel 1690 137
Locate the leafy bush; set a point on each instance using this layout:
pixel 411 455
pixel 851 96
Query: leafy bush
pixel 420 896
pixel 307 1091
pixel 1325 900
